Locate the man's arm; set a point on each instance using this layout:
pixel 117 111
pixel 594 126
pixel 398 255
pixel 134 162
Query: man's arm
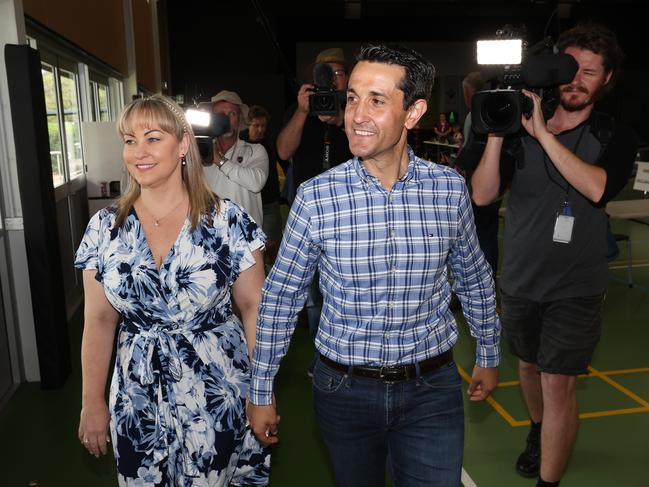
pixel 288 140
pixel 588 179
pixel 283 295
pixel 252 172
pixel 485 182
pixel 474 286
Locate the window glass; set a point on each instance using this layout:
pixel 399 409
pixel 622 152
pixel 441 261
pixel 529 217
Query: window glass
pixel 93 105
pixel 71 119
pixel 53 129
pixel 104 107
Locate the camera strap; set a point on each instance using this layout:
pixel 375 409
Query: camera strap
pixel 546 163
pixel 326 147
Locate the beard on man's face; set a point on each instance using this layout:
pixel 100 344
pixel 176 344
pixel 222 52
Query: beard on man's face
pixel 572 103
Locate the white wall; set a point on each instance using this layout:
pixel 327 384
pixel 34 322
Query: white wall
pixel 102 154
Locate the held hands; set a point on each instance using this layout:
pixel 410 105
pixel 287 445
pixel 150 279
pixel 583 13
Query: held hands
pixel 93 427
pixel 483 381
pixel 535 125
pixel 264 422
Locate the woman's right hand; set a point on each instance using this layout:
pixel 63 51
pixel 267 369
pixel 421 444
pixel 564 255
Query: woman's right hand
pixel 93 427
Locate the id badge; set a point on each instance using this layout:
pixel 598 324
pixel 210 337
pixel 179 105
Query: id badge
pixel 563 228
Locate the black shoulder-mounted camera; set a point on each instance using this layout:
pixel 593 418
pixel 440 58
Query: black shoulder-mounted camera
pixel 540 69
pixel 207 126
pixel 324 100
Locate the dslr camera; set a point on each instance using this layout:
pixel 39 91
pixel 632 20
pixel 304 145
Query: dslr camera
pixel 325 100
pixel 510 67
pixel 207 126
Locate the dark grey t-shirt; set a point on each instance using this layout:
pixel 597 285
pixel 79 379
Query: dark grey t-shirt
pixel 535 267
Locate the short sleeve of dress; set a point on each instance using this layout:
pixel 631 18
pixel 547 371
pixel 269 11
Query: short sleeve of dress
pixel 245 237
pixel 87 256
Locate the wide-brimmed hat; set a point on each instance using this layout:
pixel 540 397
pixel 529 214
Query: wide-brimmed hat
pixel 235 99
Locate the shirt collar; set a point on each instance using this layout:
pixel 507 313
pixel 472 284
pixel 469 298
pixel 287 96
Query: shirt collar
pixel 410 170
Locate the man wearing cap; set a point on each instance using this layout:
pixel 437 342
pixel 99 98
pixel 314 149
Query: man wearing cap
pixel 313 144
pixel 239 169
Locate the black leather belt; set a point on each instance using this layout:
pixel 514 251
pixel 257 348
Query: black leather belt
pixel 392 373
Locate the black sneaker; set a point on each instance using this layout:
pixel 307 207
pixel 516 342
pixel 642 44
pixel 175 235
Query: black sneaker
pixel 529 462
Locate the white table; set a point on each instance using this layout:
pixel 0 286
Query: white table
pixel 440 145
pixel 629 209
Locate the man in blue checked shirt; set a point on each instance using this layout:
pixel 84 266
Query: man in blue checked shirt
pixel 382 229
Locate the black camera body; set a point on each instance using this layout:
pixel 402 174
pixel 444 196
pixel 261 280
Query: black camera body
pixel 219 124
pixel 324 100
pixel 500 110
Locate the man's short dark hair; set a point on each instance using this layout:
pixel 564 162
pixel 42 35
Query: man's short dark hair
pixel 598 39
pixel 420 73
pixel 257 111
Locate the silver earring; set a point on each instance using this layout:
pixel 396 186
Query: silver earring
pixel 183 160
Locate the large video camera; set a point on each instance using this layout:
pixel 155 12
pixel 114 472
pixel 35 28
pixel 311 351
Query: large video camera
pixel 512 67
pixel 325 100
pixel 207 126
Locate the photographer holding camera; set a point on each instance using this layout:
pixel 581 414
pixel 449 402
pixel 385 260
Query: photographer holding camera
pixel 239 169
pixel 314 143
pixel 555 273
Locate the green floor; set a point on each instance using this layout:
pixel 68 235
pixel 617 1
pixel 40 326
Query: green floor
pixel 38 444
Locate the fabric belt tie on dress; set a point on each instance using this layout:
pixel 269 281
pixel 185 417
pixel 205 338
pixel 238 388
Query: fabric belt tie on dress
pixel 392 373
pixel 160 339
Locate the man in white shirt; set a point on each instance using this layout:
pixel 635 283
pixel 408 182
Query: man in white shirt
pixel 239 169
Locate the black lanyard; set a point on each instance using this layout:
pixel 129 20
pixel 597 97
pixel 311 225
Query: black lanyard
pixel 326 147
pixel 574 151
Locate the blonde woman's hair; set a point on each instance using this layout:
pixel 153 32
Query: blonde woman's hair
pixel 162 112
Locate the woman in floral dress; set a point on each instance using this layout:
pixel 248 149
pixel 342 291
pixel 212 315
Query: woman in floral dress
pixel 166 263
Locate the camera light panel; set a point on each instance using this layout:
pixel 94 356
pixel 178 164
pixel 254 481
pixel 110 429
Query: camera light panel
pixel 197 118
pixel 500 51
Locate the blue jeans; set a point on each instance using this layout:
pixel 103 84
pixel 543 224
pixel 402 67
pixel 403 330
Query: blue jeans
pixel 414 428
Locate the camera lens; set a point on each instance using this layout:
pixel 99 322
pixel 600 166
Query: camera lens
pixel 499 111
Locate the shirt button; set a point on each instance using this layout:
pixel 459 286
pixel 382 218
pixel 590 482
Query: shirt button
pixel 391 305
pixel 393 270
pixel 393 233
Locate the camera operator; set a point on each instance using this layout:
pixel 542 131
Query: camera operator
pixel 314 144
pixel 555 273
pixel 239 169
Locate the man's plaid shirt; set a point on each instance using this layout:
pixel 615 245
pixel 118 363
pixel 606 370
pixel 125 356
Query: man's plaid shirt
pixel 383 258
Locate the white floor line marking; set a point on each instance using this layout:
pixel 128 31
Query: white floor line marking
pixel 466 480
